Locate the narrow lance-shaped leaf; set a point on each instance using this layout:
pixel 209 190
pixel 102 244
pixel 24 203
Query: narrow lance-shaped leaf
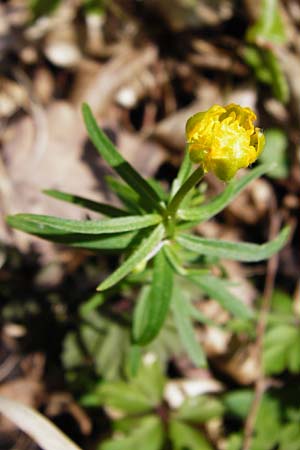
pixel 217 289
pixel 126 194
pixel 102 208
pixel 48 225
pixel 240 251
pixel 205 212
pixel 117 162
pixel 184 325
pixel 152 310
pixel 145 250
pixel 106 242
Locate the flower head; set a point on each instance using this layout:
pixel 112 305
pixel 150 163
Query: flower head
pixel 223 139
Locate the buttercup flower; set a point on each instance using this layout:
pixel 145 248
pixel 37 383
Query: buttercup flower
pixel 223 139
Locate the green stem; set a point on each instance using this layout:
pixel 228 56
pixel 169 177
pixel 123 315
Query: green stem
pixel 192 180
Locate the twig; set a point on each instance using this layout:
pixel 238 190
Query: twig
pixel 260 384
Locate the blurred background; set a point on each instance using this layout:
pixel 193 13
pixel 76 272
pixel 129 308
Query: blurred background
pixel 144 67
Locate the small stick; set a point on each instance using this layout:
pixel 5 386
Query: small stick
pixel 260 384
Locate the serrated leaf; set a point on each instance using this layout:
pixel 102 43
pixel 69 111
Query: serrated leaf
pixel 151 312
pixel 200 409
pixel 147 435
pixel 217 204
pixel 123 397
pixel 239 251
pixel 184 437
pixel 184 325
pixel 39 428
pixel 145 250
pixel 150 379
pixel 44 225
pixel 281 349
pixel 117 162
pixel 216 288
pixel 102 208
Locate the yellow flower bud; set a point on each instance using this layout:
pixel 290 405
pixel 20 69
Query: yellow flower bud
pixel 223 139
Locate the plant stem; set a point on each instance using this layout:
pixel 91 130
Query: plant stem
pixel 192 180
pixel 260 384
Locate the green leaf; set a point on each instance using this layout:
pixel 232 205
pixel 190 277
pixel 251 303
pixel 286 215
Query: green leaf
pixel 43 7
pixel 185 437
pixel 144 251
pixel 44 225
pixel 134 360
pixel 150 379
pixel 105 242
pixel 102 208
pixel 217 289
pixel 105 343
pixel 276 150
pixel 281 349
pixel 124 397
pixel 200 409
pixel 290 437
pixel 117 162
pixel 239 251
pixel 238 402
pixel 147 434
pixel 269 27
pixel 151 312
pixel 184 325
pixel 128 196
pixel 268 70
pixel 92 303
pixel 279 85
pixel 216 205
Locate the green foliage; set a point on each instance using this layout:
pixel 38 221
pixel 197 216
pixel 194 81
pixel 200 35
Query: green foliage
pixel 277 421
pixel 267 31
pixel 267 70
pixel 149 229
pixel 282 338
pixel 269 27
pixel 136 403
pixel 43 7
pixel 276 151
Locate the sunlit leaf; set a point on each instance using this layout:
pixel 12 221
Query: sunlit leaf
pixel 48 225
pixel 144 251
pixel 102 208
pixel 185 437
pixel 239 251
pixel 220 202
pixel 117 162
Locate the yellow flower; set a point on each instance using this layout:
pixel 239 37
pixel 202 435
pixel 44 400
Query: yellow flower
pixel 223 139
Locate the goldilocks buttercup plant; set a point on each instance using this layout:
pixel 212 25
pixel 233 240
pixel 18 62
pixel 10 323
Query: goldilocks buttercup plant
pixel 154 228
